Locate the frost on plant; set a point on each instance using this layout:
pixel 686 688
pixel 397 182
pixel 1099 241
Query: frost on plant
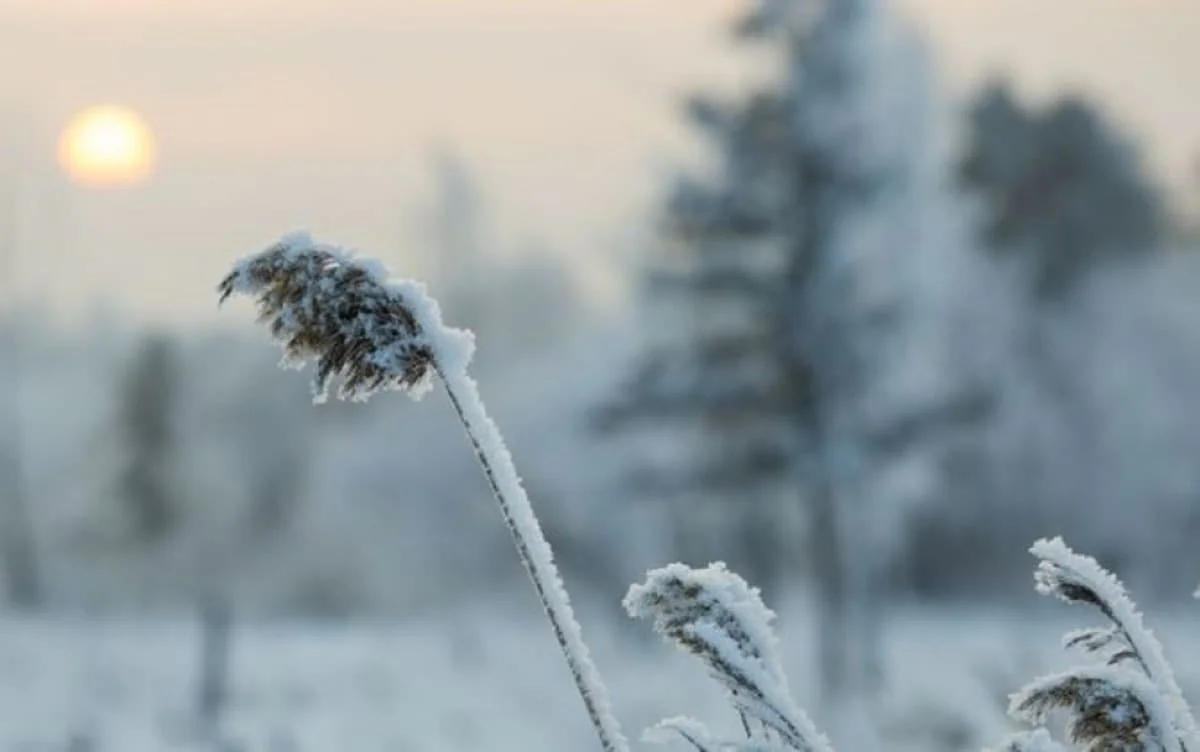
pixel 713 614
pixel 1128 701
pixel 1110 708
pixel 320 303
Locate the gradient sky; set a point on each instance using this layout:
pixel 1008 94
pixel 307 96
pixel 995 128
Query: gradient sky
pixel 273 114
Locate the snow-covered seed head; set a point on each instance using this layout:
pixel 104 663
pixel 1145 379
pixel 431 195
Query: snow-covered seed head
pixel 1128 644
pixel 1109 709
pixel 715 615
pixel 322 304
pixel 684 603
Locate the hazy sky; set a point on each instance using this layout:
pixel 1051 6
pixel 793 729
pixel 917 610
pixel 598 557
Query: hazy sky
pixel 273 114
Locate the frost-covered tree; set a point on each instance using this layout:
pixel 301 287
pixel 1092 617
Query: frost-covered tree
pixel 246 459
pixel 1067 216
pixel 19 566
pixel 148 490
pixel 793 312
pixel 19 562
pixel 187 469
pixel 1062 189
pixel 452 233
pixel 501 293
pixel 1063 195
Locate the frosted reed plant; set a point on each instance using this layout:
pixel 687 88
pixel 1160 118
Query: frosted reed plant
pixel 324 305
pixel 1127 698
pixel 716 616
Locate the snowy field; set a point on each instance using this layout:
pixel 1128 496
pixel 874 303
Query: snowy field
pixel 482 680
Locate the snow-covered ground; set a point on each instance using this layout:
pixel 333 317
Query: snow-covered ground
pixel 485 678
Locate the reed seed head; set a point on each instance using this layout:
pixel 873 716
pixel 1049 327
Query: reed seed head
pixel 321 303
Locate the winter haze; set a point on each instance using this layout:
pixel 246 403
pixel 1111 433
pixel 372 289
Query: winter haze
pixel 844 310
pixel 275 114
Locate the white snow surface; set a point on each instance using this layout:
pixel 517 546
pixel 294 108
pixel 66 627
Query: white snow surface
pixel 489 677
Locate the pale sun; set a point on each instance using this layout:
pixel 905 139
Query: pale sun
pixel 107 145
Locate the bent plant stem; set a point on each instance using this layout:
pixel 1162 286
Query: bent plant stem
pixel 534 552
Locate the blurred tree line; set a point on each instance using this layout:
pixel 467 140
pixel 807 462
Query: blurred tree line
pixel 890 365
pixel 148 468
